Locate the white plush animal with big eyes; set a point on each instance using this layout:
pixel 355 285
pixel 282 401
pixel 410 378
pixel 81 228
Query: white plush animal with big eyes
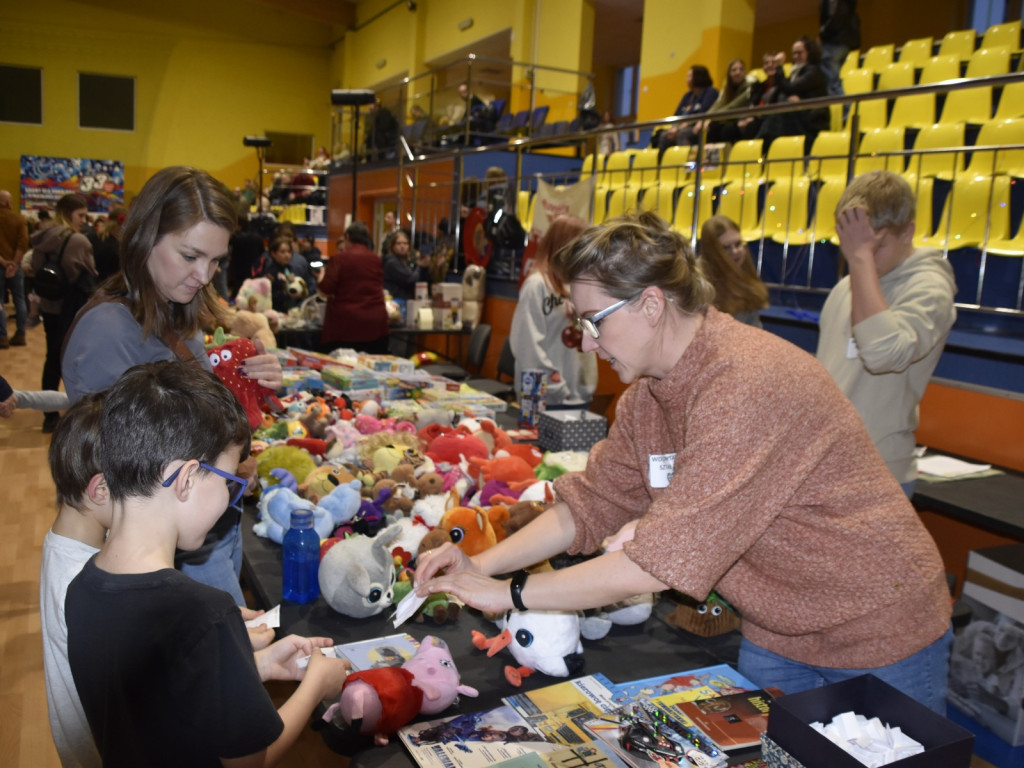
pixel 357 575
pixel 539 641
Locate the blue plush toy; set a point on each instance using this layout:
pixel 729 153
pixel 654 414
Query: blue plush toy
pixel 342 503
pixel 276 507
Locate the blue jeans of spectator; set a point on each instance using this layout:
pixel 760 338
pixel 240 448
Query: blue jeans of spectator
pixel 921 676
pixel 17 286
pixel 223 566
pixel 832 58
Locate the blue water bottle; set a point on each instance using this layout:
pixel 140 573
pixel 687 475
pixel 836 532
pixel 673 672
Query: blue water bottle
pixel 301 559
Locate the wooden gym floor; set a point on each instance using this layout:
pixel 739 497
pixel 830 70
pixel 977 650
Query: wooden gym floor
pixel 27 508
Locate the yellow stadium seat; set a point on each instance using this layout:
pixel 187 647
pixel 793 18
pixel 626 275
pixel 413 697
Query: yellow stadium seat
pixel 878 57
pixel 829 156
pixel 1011 102
pixel 1009 162
pixel 785 158
pixel 918 110
pixel 959 43
pixel 1007 34
pixel 745 164
pixel 870 113
pixel 822 226
pixel 851 62
pixel 923 188
pixel 975 208
pixel 674 169
pixel 939 165
pixel 874 113
pixel 917 51
pixel 880 141
pixel 661 199
pixel 974 105
pixel 622 201
pixel 682 221
pixel 785 210
pixel 523 208
pixel 644 171
pixel 616 170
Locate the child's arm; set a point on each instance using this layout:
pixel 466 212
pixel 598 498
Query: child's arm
pixel 42 400
pixel 322 679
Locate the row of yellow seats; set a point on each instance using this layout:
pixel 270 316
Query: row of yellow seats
pixel 960 43
pixel 972 105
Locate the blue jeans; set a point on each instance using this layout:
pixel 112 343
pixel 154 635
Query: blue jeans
pixel 832 58
pixel 921 676
pixel 223 566
pixel 17 286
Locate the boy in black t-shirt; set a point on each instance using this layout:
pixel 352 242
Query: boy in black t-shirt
pixel 163 664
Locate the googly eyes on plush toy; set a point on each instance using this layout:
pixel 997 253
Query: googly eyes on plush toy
pixel 223 355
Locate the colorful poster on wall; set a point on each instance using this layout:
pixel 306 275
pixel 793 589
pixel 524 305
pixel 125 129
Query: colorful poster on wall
pixel 44 180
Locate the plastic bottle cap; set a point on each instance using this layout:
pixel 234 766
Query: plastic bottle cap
pixel 302 518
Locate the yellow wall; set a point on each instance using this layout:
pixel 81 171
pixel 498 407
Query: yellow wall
pixel 678 35
pixel 198 90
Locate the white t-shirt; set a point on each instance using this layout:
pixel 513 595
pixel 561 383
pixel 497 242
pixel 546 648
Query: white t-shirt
pixel 63 558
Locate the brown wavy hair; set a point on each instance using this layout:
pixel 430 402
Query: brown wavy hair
pixel 737 287
pixel 174 200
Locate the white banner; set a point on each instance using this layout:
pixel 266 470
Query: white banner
pixel 563 200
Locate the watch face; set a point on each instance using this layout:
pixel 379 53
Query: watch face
pixel 572 337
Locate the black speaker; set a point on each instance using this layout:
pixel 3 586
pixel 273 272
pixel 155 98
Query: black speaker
pixel 256 141
pixel 355 98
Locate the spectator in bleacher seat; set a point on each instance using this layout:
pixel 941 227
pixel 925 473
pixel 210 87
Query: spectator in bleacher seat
pixel 806 81
pixel 747 127
pixel 839 34
pixel 727 264
pixel 735 94
pixel 607 142
pixel 700 95
pixel 883 326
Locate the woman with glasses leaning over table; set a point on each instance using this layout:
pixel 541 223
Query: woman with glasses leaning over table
pixel 734 463
pixel 174 239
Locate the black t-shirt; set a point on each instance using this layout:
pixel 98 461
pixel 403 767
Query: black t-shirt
pixel 165 670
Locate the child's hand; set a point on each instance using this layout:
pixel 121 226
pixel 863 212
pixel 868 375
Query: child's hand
pixel 329 673
pixel 260 637
pixel 8 406
pixel 279 661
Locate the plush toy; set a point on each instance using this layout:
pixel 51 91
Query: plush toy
pixel 541 641
pixel 472 529
pixel 342 503
pixel 323 480
pixel 558 463
pixel 252 325
pixel 521 514
pixel 297 288
pixel 254 294
pixel 226 357
pixel 474 283
pixel 357 575
pixel 276 507
pixel 383 451
pixel 511 469
pixel 295 460
pixel 531 454
pixel 448 449
pixel 380 701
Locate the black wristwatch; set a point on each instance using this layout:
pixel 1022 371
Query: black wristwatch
pixel 516 589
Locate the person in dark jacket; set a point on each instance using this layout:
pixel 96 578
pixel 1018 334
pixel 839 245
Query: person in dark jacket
pixel 807 80
pixel 700 95
pixel 353 282
pixel 839 34
pixel 381 132
pixel 400 274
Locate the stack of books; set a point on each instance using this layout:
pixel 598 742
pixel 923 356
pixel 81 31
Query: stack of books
pixel 709 717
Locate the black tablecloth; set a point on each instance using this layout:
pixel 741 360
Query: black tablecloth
pixel 626 653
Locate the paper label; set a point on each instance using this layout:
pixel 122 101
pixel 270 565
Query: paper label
pixel 661 467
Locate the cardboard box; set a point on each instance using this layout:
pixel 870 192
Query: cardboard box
pixel 986 668
pixel 570 430
pixel 946 744
pixel 446 292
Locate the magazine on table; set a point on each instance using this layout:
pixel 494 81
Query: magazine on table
pixel 592 754
pixel 734 721
pixel 706 681
pixel 473 740
pixel 558 712
pixel 390 651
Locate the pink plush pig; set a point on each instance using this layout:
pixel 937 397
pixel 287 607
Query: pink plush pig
pixel 380 701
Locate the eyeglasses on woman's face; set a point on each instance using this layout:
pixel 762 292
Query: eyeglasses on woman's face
pixel 236 485
pixel 590 323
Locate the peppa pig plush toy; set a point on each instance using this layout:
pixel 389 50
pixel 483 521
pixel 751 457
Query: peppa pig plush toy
pixel 380 701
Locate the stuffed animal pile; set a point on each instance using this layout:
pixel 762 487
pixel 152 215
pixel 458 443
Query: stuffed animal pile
pixel 385 486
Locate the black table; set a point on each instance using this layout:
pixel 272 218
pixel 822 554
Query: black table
pixel 626 653
pixel 995 503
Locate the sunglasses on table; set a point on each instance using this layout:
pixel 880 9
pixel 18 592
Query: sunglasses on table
pixel 236 485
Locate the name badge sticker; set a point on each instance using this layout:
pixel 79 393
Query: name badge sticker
pixel 660 468
pixel 851 349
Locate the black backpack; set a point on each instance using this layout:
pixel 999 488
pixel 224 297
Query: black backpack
pixel 49 281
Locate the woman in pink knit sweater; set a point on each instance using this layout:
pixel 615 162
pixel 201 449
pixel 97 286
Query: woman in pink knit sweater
pixel 734 463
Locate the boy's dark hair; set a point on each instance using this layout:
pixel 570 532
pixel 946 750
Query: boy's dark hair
pixel 75 450
pixel 157 413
